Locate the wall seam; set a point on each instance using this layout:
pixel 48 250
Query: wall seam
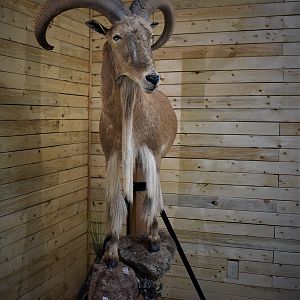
pixel 89 136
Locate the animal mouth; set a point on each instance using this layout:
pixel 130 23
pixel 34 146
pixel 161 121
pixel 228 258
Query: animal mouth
pixel 149 90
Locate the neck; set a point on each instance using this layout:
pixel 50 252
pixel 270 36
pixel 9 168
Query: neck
pixel 119 99
pixel 108 74
pixel 111 84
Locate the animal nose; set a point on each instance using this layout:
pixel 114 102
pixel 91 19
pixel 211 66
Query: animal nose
pixel 153 78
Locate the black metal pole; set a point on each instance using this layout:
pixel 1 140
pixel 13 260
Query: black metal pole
pixel 128 217
pixel 182 255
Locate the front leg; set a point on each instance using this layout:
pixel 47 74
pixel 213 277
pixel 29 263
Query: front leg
pixel 116 210
pixel 153 200
pixel 154 239
pixel 111 257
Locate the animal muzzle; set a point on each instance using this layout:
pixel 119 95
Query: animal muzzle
pixel 152 80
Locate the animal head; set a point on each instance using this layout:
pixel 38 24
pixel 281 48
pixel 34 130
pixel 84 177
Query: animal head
pixel 129 38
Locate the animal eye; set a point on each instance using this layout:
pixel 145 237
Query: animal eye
pixel 116 37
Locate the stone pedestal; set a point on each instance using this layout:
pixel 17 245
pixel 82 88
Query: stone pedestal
pixel 133 251
pixel 137 271
pixel 109 284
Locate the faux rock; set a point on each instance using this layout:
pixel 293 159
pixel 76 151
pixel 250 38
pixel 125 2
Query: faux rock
pixel 133 251
pixel 111 284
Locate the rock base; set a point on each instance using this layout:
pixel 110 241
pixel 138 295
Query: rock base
pixel 109 284
pixel 137 271
pixel 133 251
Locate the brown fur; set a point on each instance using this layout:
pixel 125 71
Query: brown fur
pixel 154 120
pixel 154 123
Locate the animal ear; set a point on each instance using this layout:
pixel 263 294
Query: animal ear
pixel 154 24
pixel 93 24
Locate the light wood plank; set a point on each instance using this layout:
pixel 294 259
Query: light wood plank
pixel 291 48
pixel 292 75
pixel 21 187
pixel 14 49
pixel 290 128
pixel 219 89
pixel 291 155
pixel 32 170
pixel 289 181
pixel 221 76
pixel 26 97
pixel 236 11
pixel 231 153
pixel 231 191
pixel 23 157
pixel 228 140
pixel 233 216
pixel 219 178
pixel 185 4
pixel 13 127
pixel 220 202
pixel 287 258
pixel 232 102
pixel 236 24
pixel 36 253
pixel 39 238
pixel 31 8
pixel 19 81
pixel 225 115
pixel 228 252
pixel 15 143
pixel 22 112
pixel 184 286
pixel 289 207
pixel 290 233
pixel 20 232
pixel 222 165
pixel 222 64
pixel 33 198
pixel 63 282
pixel 210 51
pixel 286 283
pixel 244 278
pixel 26 37
pixel 39 277
pixel 260 36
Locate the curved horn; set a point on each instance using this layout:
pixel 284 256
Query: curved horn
pixel 113 10
pixel 145 9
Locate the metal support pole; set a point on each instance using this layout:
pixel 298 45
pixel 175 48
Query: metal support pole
pixel 182 255
pixel 141 186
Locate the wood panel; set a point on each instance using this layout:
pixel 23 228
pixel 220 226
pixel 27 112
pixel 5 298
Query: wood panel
pixel 231 179
pixel 44 131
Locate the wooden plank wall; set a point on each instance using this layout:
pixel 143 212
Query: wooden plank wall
pixel 43 154
pixel 231 71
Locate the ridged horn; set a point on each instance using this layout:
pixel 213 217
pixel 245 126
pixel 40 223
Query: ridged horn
pixel 113 10
pixel 145 8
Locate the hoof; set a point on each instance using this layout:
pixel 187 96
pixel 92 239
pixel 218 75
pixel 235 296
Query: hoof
pixel 154 246
pixel 111 263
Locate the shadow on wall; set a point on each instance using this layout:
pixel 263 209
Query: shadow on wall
pixel 22 237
